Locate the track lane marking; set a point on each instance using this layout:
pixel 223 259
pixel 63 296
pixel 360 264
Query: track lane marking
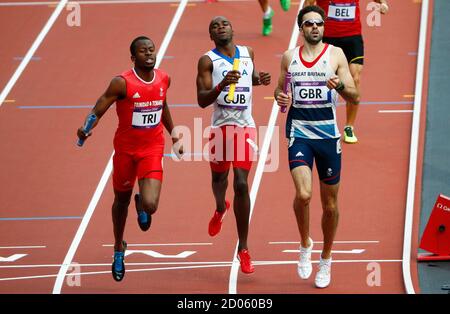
pixel 353 251
pixel 52 3
pixel 409 212
pixel 211 265
pixel 37 42
pixel 337 242
pixel 24 247
pixel 395 111
pixel 159 244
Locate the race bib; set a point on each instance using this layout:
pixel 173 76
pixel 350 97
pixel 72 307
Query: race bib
pixel 240 101
pixel 311 93
pixel 147 117
pixel 342 11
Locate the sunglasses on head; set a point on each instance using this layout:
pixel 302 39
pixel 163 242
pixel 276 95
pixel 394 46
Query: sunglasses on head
pixel 310 23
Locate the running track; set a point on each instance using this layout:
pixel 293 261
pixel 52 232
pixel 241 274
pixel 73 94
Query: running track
pixel 47 183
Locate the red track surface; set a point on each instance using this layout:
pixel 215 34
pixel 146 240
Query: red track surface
pixel 44 174
pixel 20 26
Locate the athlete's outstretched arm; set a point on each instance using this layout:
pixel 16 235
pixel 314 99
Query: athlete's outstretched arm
pixel 281 98
pixel 343 83
pixel 258 78
pixel 117 89
pixel 206 93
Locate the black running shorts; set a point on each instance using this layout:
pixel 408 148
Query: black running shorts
pixel 353 47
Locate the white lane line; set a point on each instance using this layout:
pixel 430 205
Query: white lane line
pixel 27 277
pixel 104 179
pixel 232 286
pixel 11 258
pixel 395 111
pixel 37 42
pixel 82 228
pixel 354 251
pixel 109 272
pixel 31 266
pixel 335 242
pixel 24 247
pixel 109 264
pixel 160 244
pixel 215 265
pixel 46 3
pixel 186 263
pixel 262 263
pixel 154 254
pixel 409 214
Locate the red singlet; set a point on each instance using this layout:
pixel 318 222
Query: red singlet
pixel 343 17
pixel 139 139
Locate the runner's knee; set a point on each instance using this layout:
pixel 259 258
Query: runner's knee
pixel 149 205
pixel 122 204
pixel 331 213
pixel 240 186
pixel 122 199
pixel 330 207
pixel 303 197
pixel 219 178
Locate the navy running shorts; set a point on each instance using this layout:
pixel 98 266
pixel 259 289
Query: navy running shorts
pixel 326 152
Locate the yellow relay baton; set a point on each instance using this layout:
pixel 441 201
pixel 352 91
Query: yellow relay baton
pixel 233 86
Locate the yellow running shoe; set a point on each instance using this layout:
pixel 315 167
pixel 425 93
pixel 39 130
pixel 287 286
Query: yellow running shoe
pixel 349 135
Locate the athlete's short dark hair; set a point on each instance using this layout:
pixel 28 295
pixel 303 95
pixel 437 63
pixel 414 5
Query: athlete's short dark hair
pixel 133 44
pixel 306 10
pixel 215 18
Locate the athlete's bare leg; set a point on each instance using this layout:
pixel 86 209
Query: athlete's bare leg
pixel 264 4
pixel 149 190
pixel 330 216
pixel 219 187
pixel 241 205
pixel 302 177
pixel 352 109
pixel 119 216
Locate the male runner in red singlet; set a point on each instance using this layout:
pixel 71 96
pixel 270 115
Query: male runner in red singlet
pixel 140 97
pixel 343 30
